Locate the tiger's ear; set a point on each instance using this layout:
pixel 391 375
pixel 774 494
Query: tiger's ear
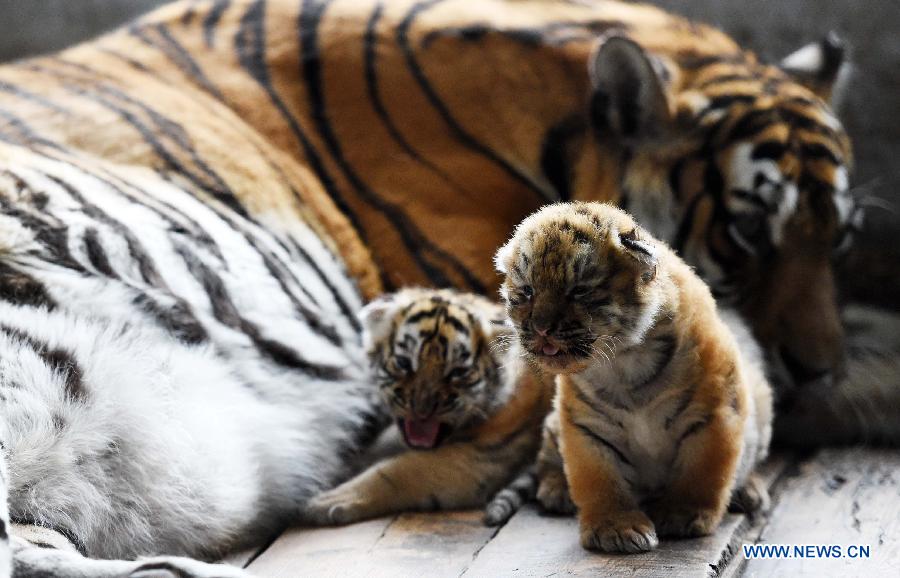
pixel 818 65
pixel 630 96
pixel 642 252
pixel 377 316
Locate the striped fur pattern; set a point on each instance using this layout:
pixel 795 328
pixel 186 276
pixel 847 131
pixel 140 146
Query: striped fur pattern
pixel 360 114
pixel 153 400
pixel 662 415
pixel 741 166
pixel 341 140
pixel 465 403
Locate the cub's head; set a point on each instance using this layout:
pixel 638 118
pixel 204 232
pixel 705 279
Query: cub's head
pixel 581 279
pixel 756 166
pixel 437 356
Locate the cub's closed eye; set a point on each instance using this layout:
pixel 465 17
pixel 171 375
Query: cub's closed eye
pixel 403 363
pixel 458 373
pixel 580 292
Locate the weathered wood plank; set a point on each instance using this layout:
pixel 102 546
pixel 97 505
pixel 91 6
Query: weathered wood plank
pixel 838 497
pixel 319 552
pixel 534 545
pixel 439 545
pixel 457 544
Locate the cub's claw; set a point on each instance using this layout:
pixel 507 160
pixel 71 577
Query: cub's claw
pixel 630 533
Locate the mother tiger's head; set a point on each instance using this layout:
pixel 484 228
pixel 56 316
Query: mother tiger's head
pixel 756 165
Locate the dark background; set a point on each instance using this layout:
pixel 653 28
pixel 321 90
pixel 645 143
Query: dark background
pixel 773 28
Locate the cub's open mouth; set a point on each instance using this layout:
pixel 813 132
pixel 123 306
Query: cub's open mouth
pixel 423 434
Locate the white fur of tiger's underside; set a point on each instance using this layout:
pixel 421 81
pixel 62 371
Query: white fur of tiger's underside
pixel 173 377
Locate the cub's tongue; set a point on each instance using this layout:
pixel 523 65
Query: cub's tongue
pixel 421 433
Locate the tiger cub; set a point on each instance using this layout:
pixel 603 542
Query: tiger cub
pixel 466 407
pixel 662 411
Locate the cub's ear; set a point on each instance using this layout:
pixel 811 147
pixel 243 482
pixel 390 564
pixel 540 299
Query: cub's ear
pixel 377 316
pixel 630 95
pixel 642 252
pixel 502 257
pixel 818 65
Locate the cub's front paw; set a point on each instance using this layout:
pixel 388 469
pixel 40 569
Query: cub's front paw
pixel 626 533
pixel 553 495
pixel 675 522
pixel 334 508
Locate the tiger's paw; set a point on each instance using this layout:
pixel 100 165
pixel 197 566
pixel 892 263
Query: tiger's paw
pixel 751 498
pixel 553 495
pixel 683 522
pixel 335 508
pixel 625 533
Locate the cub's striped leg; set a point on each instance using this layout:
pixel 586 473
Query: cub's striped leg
pixel 451 477
pixel 609 516
pixel 704 473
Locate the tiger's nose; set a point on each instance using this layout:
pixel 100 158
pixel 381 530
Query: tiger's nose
pixel 542 331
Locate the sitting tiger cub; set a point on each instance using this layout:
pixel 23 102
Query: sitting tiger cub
pixel 663 409
pixel 452 376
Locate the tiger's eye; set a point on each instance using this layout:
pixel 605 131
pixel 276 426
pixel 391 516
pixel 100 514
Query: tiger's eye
pixel 528 291
pixel 403 363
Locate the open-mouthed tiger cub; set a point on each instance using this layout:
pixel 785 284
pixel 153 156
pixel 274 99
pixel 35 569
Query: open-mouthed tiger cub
pixel 663 408
pixel 466 407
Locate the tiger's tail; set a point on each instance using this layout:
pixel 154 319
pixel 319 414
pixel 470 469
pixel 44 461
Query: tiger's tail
pixel 510 499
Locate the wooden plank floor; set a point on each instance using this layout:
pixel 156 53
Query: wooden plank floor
pixel 835 497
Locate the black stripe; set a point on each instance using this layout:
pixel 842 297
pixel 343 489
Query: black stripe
pixel 21 289
pixel 250 45
pixel 819 151
pixel 555 157
pixel 29 96
pixel 97 254
pixel 177 318
pixel 599 410
pixel 414 241
pixel 370 42
pixel 772 150
pixel 208 180
pixel 669 345
pixel 26 135
pixel 54 237
pixel 212 20
pixel 694 429
pixel 592 435
pixel 58 360
pixel 342 304
pixel 464 137
pixel 177 54
pixel 226 312
pixel 65 532
pixel 140 66
pixel 552 33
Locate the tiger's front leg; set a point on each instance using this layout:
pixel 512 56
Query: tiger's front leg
pixel 458 476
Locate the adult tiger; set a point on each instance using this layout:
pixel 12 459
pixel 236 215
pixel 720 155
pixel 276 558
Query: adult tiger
pixel 159 180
